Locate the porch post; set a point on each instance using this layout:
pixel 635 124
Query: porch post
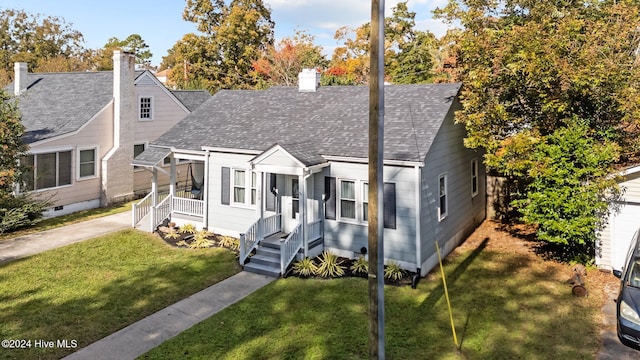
pixel 172 180
pixel 302 179
pixel 259 204
pixel 154 197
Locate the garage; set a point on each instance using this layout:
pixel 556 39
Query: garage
pixel 623 223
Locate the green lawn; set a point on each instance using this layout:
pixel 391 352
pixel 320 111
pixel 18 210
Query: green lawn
pixel 506 306
pixel 89 290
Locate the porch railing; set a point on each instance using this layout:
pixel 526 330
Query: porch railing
pixel 141 209
pixel 290 247
pixel 188 206
pixel 314 229
pixel 162 211
pixel 250 239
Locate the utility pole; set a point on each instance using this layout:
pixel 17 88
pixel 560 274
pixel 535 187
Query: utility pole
pixel 376 190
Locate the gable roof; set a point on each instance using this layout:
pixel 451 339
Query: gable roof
pixel 191 99
pixel 59 103
pixel 332 121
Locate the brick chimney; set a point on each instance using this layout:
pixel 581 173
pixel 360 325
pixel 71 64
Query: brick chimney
pixel 20 78
pixel 308 80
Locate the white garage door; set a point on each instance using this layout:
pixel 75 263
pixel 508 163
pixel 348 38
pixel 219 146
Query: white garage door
pixel 623 226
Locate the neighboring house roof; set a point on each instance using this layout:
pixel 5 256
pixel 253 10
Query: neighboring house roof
pixel 333 121
pixel 59 103
pixel 191 99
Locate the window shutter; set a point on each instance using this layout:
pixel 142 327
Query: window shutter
pixel 389 205
pixel 330 198
pixel 226 176
pixel 271 193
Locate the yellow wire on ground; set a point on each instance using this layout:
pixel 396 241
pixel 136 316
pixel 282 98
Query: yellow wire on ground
pixel 446 295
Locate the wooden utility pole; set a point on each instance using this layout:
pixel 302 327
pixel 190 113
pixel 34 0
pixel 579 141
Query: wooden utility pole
pixel 375 207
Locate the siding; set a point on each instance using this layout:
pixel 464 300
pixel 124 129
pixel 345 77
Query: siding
pixel 399 243
pixel 166 113
pixel 448 155
pixel 98 132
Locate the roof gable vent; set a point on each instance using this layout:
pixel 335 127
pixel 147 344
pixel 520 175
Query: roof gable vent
pixel 308 80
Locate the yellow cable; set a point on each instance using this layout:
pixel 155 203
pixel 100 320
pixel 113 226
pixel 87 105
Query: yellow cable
pixel 446 294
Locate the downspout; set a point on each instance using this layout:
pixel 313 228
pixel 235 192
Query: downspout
pixel 416 277
pixel 306 174
pixel 205 183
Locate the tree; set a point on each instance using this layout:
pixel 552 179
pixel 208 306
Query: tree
pixel 281 64
pixel 103 58
pixel 529 69
pixel 35 40
pixel 15 210
pixel 234 37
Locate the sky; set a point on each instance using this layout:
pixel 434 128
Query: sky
pixel 160 23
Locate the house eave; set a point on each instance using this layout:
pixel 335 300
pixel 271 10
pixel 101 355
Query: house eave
pixel 347 159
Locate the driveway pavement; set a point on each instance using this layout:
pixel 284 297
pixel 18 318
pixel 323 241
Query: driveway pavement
pixel 612 348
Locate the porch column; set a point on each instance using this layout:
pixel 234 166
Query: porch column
pixel 302 180
pixel 259 204
pixel 172 177
pixel 154 197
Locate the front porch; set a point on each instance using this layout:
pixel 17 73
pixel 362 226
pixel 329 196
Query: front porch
pixel 148 214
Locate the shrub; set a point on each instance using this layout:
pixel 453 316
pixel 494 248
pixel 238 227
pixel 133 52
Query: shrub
pixel 305 267
pixel 360 266
pixel 188 229
pixel 329 265
pixel 20 211
pixel 200 240
pixel 393 271
pixel 229 242
pixel 171 234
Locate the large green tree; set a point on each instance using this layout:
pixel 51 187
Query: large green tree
pixel 530 69
pixel 233 37
pixel 36 40
pixel 103 58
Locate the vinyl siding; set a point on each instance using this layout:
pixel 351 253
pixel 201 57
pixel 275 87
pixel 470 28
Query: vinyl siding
pixel 465 212
pixel 99 133
pixel 399 243
pixel 166 113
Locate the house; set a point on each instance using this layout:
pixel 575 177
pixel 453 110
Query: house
pixel 615 238
pixel 84 128
pixel 286 171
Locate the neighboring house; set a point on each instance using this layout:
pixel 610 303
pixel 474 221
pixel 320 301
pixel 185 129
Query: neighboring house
pixel 614 241
pixel 286 168
pixel 84 128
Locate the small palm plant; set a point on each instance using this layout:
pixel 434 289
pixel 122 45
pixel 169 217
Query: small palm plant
pixel 229 242
pixel 305 267
pixel 393 271
pixel 200 240
pixel 329 265
pixel 188 229
pixel 171 234
pixel 360 266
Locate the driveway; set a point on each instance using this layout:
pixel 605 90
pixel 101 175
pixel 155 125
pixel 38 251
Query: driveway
pixel 612 347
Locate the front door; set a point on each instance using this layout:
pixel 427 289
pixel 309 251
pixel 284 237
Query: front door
pixel 290 204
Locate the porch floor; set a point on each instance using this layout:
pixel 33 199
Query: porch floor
pixel 274 240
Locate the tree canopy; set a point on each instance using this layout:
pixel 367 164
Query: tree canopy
pixel 535 73
pixel 103 58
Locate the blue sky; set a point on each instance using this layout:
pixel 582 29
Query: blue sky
pixel 160 23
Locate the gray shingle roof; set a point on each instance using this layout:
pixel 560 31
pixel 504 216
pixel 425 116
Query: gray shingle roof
pixel 59 103
pixel 332 121
pixel 191 99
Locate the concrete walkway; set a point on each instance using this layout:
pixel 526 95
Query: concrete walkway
pixel 144 335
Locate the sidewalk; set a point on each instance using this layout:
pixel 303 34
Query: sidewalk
pixel 142 336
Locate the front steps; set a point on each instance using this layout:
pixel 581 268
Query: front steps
pixel 266 260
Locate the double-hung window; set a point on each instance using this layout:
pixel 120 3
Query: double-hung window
pixel 347 199
pixel 474 177
pixel 365 201
pixel 137 150
pixel 239 186
pixel 146 109
pixel 47 170
pixel 442 196
pixel 87 163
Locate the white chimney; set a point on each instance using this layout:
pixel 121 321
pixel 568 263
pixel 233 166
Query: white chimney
pixel 308 80
pixel 20 78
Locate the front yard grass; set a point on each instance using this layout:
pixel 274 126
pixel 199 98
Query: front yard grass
pixel 507 304
pixel 91 289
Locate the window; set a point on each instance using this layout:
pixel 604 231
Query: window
pixel 295 198
pixel 474 177
pixel 48 170
pixel 347 199
pixel 365 202
pixel 146 106
pixel 442 194
pixel 137 150
pixel 254 188
pixel 239 186
pixel 87 163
